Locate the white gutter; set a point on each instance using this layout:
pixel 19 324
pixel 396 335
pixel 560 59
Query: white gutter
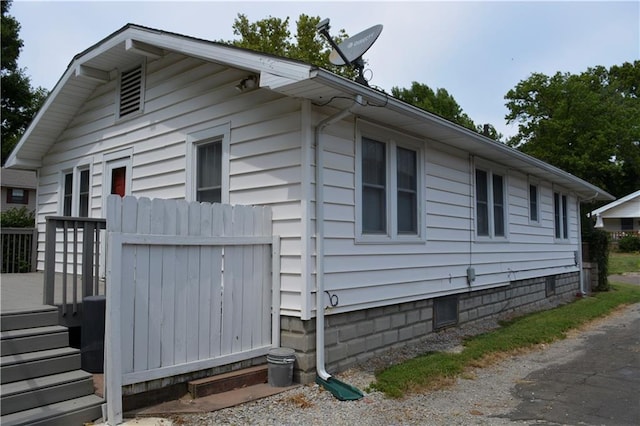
pixel 320 364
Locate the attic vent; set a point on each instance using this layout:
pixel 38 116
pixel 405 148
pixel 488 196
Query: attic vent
pixel 131 91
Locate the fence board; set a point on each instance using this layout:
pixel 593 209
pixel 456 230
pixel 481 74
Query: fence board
pixel 193 290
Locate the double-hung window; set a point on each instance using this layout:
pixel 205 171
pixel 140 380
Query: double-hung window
pixel 389 192
pixel 76 192
pixel 208 165
pixel 560 216
pixel 490 204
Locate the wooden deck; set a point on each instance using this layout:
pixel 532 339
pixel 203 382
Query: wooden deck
pixel 24 291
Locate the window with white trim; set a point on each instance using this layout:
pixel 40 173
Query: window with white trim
pixel 76 192
pixel 389 194
pixel 490 204
pixel 208 169
pixel 560 216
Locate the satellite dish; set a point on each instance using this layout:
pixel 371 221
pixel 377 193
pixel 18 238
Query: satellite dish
pixel 350 51
pixel 356 46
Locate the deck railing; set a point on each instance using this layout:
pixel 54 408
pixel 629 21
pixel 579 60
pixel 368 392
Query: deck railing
pixel 72 247
pixel 19 250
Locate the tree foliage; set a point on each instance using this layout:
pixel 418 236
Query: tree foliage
pixel 271 35
pixel 20 101
pixel 442 103
pixel 587 124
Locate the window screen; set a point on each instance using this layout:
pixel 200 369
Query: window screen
pixel 374 178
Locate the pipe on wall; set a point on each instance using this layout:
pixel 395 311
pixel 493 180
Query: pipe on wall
pixel 320 361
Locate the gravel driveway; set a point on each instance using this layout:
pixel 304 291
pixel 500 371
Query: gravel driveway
pixel 482 397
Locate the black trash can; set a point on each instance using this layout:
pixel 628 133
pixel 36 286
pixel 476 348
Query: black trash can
pixel 92 334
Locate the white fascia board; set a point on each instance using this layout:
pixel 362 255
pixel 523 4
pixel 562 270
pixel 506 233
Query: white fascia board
pixel 275 82
pixel 616 203
pixel 227 55
pixel 589 191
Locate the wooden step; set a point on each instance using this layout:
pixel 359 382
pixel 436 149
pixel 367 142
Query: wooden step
pixel 14 368
pixel 228 381
pixel 29 318
pixel 77 411
pixel 27 394
pixel 14 342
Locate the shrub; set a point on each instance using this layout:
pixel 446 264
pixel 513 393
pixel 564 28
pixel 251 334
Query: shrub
pixel 629 244
pixel 598 241
pixel 18 218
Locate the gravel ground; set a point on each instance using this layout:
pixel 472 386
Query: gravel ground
pixel 482 397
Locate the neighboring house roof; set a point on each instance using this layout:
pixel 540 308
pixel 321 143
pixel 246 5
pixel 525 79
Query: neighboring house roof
pixel 98 65
pixel 625 207
pixel 24 179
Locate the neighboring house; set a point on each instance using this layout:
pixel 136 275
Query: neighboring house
pixel 18 189
pixel 621 216
pixel 421 224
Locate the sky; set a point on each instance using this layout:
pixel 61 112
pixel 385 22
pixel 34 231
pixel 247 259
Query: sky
pixel 476 50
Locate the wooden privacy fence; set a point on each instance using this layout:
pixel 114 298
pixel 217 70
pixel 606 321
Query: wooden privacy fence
pixel 190 286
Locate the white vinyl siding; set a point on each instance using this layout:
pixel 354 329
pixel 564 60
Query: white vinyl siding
pixel 270 162
pixel 184 96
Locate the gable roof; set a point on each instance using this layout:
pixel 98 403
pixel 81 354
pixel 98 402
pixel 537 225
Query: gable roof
pixel 100 63
pixel 632 199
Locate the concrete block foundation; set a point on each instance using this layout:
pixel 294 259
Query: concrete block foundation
pixel 354 337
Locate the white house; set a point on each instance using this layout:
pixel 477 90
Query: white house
pixel 620 216
pixel 409 224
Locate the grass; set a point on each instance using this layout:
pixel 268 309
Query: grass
pixel 624 262
pixel 433 369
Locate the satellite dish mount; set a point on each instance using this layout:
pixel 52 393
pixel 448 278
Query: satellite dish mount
pixel 350 51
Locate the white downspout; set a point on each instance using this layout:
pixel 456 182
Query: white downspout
pixel 320 365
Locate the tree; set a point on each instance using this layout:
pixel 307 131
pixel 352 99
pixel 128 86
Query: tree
pixel 271 35
pixel 443 104
pixel 587 124
pixel 19 101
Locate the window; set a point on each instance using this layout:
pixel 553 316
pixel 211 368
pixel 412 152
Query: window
pixel 76 193
pixel 445 311
pixel 490 204
pixel 374 187
pixel 208 165
pixel 626 223
pixel 533 203
pixel 19 196
pixel 131 92
pixel 550 285
pixel 407 191
pixel 560 216
pixel 389 193
pixel 209 172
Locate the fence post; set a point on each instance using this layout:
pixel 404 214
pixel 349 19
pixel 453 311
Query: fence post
pixel 49 261
pixel 88 239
